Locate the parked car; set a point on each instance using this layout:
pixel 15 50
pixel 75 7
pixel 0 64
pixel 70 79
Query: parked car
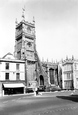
pixel 53 88
pixel 29 90
pixel 41 88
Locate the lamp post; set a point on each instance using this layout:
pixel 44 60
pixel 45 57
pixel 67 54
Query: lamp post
pixel 36 79
pixel 25 71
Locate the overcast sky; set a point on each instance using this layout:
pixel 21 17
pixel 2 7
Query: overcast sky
pixel 56 25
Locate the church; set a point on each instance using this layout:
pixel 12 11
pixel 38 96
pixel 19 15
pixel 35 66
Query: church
pixel 31 70
pixel 25 49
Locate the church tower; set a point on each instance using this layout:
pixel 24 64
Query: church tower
pixel 25 46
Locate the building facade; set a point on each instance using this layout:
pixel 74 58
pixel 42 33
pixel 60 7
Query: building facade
pixel 12 75
pixel 67 74
pixel 75 74
pixel 70 74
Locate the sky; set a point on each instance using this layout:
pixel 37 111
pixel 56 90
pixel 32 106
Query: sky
pixel 56 26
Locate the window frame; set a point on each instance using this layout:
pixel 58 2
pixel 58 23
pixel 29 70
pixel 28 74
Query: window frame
pixel 17 66
pixel 6 76
pixel 17 76
pixel 7 66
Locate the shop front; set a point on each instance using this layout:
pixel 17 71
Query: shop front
pixel 13 88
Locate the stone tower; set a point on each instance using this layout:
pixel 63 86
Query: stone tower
pixel 25 46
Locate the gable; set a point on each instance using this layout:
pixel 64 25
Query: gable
pixel 8 56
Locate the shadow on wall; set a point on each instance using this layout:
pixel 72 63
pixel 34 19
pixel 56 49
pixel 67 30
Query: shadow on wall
pixel 73 98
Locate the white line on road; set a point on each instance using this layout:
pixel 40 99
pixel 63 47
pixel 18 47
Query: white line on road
pixel 5 101
pixel 19 98
pixel 62 108
pixel 23 97
pixel 59 110
pixel 13 100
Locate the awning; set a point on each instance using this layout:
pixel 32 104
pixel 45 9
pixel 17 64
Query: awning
pixel 13 85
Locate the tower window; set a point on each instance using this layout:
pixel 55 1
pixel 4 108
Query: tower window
pixel 7 76
pixel 19 55
pixel 28 29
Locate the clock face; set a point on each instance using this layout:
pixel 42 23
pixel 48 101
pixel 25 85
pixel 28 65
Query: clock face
pixel 29 44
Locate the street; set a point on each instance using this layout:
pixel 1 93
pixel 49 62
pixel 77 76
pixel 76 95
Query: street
pixel 54 103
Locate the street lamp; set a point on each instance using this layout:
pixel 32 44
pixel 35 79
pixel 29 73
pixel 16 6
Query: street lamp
pixel 26 71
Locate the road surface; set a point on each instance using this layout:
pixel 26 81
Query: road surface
pixel 57 103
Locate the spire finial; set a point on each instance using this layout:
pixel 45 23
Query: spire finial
pixel 47 60
pixel 72 57
pixel 23 11
pixel 62 60
pixel 42 59
pixel 66 57
pixel 16 22
pixel 33 20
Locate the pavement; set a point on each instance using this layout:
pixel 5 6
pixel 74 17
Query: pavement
pixel 43 94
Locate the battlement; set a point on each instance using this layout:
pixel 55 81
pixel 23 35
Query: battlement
pixel 26 23
pixel 69 61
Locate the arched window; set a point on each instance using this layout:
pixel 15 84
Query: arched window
pixel 51 75
pixel 41 80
